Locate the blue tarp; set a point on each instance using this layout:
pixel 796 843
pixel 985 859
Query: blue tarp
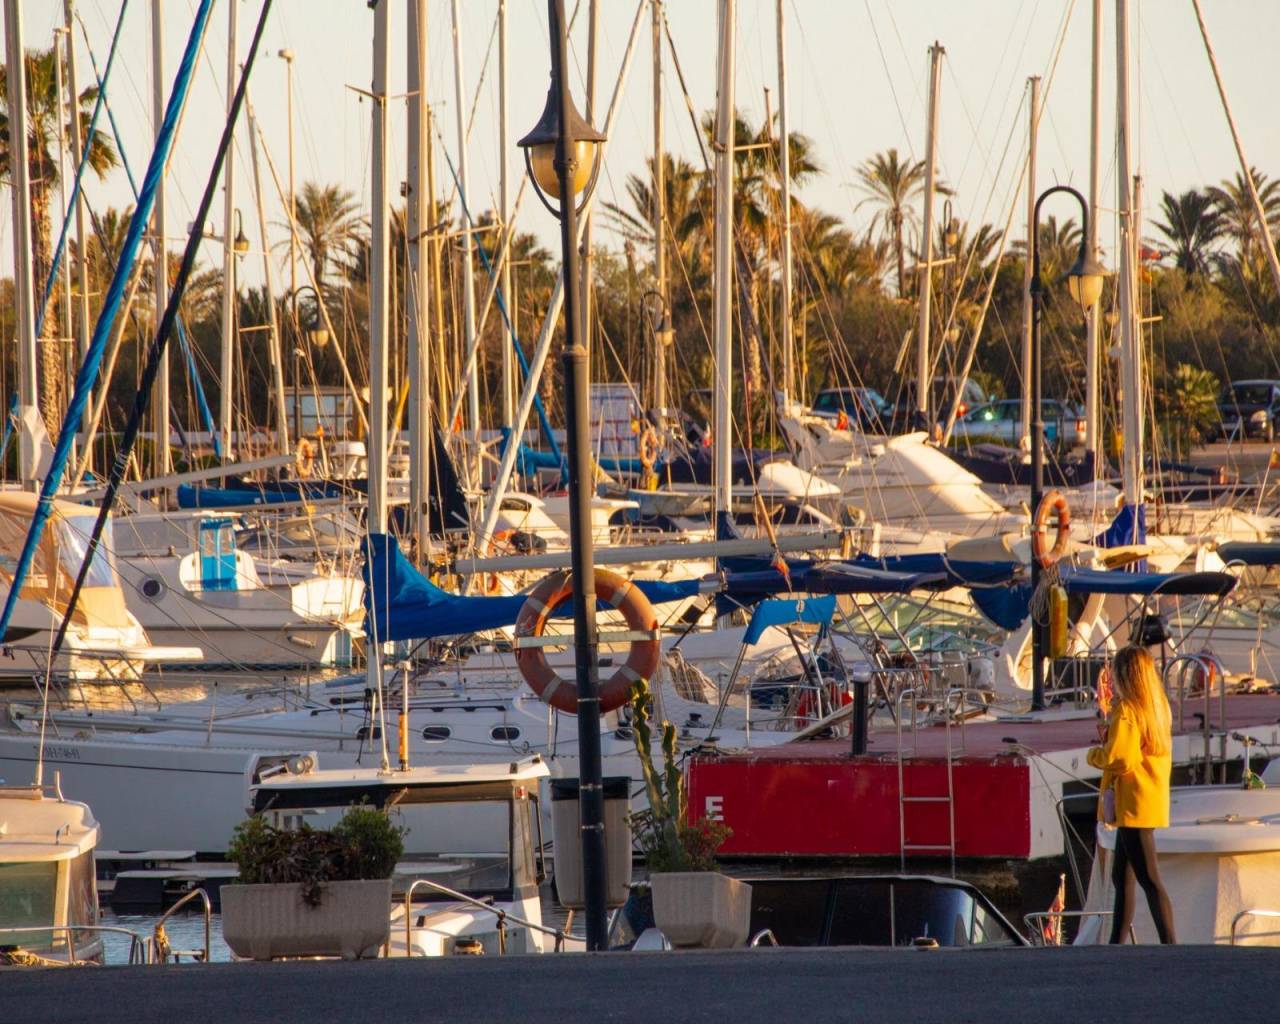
pixel 410 607
pixel 780 611
pixel 957 573
pixel 1128 527
pixel 825 578
pixel 1007 606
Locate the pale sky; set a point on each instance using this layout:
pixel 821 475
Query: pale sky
pixel 857 73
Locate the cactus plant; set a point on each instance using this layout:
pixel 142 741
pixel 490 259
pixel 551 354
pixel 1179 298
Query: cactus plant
pixel 669 841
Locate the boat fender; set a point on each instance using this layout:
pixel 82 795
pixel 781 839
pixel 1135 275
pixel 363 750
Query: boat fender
pixel 642 656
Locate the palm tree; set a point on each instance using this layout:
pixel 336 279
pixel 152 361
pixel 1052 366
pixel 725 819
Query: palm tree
pixel 1192 224
pixel 891 183
pixel 1187 405
pixel 330 227
pixel 1235 203
pixel 45 110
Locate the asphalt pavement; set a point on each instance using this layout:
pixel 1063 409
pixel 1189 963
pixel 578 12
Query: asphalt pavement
pixel 1082 986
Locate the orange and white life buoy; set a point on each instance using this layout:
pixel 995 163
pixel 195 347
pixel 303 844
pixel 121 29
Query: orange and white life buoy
pixel 304 459
pixel 615 590
pixel 1052 504
pixel 492 585
pixel 649 447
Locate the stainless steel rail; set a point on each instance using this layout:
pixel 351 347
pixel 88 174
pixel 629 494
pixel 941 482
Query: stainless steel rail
pixel 1255 912
pixel 762 936
pixel 502 916
pixel 137 944
pixel 159 945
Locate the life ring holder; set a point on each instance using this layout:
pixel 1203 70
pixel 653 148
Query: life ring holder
pixel 642 633
pixel 304 459
pixel 1053 504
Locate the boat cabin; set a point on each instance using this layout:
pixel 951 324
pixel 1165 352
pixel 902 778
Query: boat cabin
pixel 48 885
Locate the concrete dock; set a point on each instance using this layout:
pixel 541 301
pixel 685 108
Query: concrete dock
pixel 1081 986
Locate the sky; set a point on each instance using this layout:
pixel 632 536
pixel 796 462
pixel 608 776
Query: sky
pixel 857 82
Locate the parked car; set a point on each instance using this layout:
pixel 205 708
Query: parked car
pixel 944 389
pixel 862 407
pixel 1001 422
pixel 1249 408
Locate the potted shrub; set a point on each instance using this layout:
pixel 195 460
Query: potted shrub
pixel 312 892
pixel 693 903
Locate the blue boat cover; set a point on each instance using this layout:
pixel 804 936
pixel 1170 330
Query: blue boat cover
pixel 783 611
pixel 1249 553
pixel 409 606
pixel 1128 527
pixel 825 578
pixel 1146 584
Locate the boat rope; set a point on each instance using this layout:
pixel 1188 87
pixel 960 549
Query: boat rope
pixel 194 238
pixel 87 375
pixel 99 103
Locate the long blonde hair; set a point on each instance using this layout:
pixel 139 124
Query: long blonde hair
pixel 1138 685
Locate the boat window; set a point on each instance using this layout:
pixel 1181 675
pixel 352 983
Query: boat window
pixel 505 733
pixel 217 555
pixel 82 895
pixel 863 914
pixel 795 910
pixel 28 891
pixel 436 733
pixel 73 544
pixel 523 870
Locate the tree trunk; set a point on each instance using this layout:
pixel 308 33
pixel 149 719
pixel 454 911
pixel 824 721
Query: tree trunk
pixel 901 256
pixel 52 372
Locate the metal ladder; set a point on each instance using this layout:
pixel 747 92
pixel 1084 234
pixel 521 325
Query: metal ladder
pixel 957 695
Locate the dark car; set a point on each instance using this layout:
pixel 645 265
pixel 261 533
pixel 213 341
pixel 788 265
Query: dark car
pixel 943 391
pixel 863 407
pixel 1249 408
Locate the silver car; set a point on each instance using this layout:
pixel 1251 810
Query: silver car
pixel 1001 423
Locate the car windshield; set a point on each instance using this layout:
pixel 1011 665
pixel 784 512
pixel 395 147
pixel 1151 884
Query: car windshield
pixel 1247 394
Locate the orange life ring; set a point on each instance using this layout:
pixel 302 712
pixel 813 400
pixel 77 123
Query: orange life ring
pixel 649 447
pixel 304 459
pixel 492 585
pixel 1052 504
pixel 615 590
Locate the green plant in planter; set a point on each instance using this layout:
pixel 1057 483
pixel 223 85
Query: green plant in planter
pixel 669 842
pixel 363 845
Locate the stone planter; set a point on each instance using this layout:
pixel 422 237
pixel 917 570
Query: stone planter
pixel 261 922
pixel 701 908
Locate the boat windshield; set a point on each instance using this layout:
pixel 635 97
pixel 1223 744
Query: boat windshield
pixel 74 532
pixel 28 891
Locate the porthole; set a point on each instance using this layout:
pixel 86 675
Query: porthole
pixel 505 733
pixel 436 733
pixel 152 588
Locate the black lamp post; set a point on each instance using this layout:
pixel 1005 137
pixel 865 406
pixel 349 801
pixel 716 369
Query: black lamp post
pixel 1084 281
pixel 315 334
pixel 562 154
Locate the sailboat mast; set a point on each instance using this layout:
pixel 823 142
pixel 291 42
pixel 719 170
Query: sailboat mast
pixel 1092 406
pixel 1026 416
pixel 662 334
pixel 419 340
pixel 468 240
pixel 784 160
pixel 226 361
pixel 504 210
pixel 160 249
pixel 1130 357
pixel 77 149
pixel 20 193
pixel 721 430
pixel 924 389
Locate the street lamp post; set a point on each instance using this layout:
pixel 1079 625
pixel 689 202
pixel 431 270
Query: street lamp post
pixel 1084 282
pixel 315 334
pixel 562 154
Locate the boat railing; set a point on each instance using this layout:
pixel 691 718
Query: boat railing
pixel 503 916
pixel 1208 666
pixel 137 942
pixel 160 948
pixel 1250 912
pixel 763 936
pixel 1035 922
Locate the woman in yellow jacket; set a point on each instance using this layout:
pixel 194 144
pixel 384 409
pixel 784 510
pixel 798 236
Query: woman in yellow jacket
pixel 1135 762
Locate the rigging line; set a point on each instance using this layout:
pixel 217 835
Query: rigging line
pixel 99 103
pixel 884 63
pixel 684 89
pixel 165 329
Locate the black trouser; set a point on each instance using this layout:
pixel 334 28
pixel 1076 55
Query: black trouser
pixel 1136 861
